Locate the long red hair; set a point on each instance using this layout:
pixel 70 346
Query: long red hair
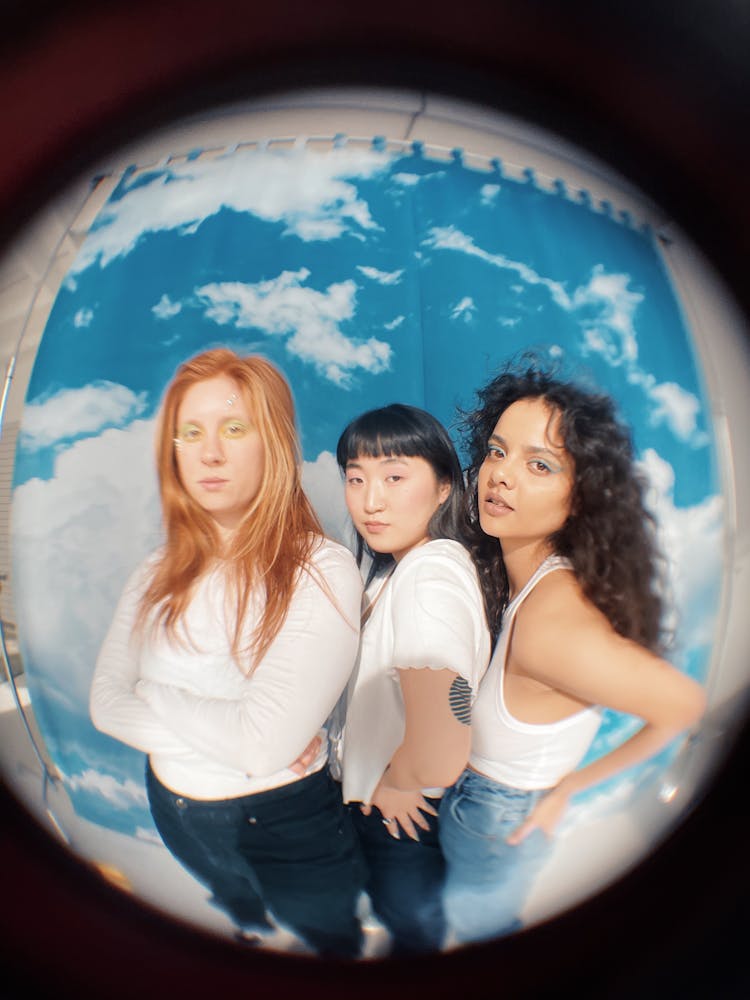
pixel 277 534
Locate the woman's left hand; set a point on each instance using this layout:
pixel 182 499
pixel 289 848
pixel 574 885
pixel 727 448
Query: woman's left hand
pixel 544 816
pixel 401 808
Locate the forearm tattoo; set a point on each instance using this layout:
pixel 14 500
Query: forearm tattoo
pixel 459 699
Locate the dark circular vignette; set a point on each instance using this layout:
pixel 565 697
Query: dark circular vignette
pixel 659 94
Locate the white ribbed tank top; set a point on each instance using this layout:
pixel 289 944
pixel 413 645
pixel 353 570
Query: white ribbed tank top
pixel 522 754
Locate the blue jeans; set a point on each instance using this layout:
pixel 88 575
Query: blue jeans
pixel 290 851
pixel 404 882
pixel 487 879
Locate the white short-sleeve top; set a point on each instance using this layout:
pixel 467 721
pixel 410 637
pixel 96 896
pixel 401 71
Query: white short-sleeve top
pixel 429 613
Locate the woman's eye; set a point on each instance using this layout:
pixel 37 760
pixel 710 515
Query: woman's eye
pixel 495 453
pixel 539 466
pixel 234 430
pixel 394 478
pixel 190 433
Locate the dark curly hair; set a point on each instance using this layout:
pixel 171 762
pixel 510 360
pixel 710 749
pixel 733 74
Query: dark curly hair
pixel 609 536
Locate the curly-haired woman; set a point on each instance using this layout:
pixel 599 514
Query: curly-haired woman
pixel 567 559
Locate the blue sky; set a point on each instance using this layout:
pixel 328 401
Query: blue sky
pixel 368 278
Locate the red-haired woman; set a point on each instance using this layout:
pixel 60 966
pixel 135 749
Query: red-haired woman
pixel 228 650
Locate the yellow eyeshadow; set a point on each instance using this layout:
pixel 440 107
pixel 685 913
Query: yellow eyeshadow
pixel 190 432
pixel 230 430
pixel 234 429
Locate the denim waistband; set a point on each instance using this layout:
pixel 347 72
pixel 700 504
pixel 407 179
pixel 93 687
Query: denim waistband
pixel 471 776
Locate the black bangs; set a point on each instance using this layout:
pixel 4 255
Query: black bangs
pixel 397 429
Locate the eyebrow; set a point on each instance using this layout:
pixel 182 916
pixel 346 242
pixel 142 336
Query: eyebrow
pixel 384 460
pixel 531 449
pixel 246 419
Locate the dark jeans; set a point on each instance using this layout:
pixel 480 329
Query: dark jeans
pixel 289 850
pixel 404 881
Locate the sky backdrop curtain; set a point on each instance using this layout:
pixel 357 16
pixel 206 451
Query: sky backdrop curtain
pixel 369 274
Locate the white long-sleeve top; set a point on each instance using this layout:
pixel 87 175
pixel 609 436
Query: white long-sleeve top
pixel 211 731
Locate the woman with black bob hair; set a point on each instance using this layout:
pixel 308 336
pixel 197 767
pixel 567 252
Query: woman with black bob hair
pixel 423 649
pixel 402 430
pixel 567 557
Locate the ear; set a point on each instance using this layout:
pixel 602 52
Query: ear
pixel 444 490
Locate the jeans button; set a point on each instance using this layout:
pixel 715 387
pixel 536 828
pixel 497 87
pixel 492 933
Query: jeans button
pixel 180 803
pixel 252 821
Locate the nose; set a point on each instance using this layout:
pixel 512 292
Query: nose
pixel 501 473
pixel 373 498
pixel 212 451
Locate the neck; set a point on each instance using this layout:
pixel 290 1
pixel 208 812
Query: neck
pixel 522 559
pixel 398 556
pixel 225 540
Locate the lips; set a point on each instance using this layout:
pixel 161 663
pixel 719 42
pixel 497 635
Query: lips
pixel 496 506
pixel 374 527
pixel 213 483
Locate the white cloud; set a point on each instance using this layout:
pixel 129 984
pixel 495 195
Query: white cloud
pixel 75 538
pixel 310 194
pixel 394 323
pixel 382 277
pixel 322 482
pixel 489 193
pixel 120 794
pixel 464 310
pixel 450 238
pixel 83 318
pixel 72 412
pixel 692 540
pixel 165 308
pixel 679 409
pixel 407 180
pixel 604 308
pixel 308 319
pixel 312 229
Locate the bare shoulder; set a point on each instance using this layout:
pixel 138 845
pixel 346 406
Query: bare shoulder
pixel 563 641
pixel 558 598
pixel 555 622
